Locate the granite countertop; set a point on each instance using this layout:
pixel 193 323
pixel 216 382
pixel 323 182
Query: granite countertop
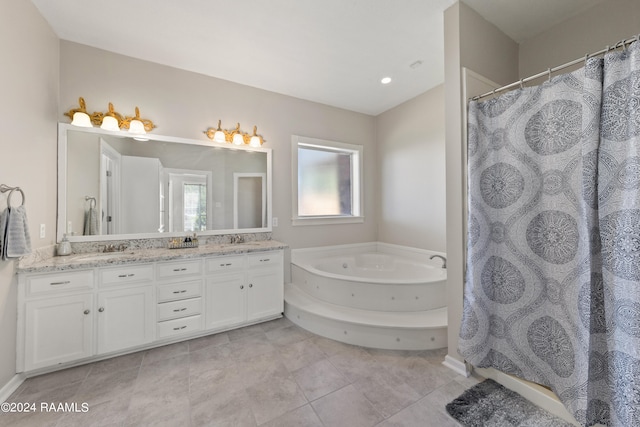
pixel 93 260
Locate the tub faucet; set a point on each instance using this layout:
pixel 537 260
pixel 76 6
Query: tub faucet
pixel 444 260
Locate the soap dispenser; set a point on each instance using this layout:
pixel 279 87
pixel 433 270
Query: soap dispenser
pixel 64 247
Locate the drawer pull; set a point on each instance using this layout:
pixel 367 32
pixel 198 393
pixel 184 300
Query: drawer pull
pixel 179 269
pixel 179 328
pixel 265 260
pixel 226 265
pixel 251 285
pixel 101 309
pixel 87 311
pixel 66 282
pixel 241 286
pixel 126 275
pixel 179 309
pixel 180 292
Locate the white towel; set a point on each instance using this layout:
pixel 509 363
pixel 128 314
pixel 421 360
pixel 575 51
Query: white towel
pixel 4 217
pixel 91 222
pixel 17 239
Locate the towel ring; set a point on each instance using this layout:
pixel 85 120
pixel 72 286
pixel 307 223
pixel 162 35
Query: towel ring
pixel 11 192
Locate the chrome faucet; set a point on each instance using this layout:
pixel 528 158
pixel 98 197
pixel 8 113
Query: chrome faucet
pixel 237 238
pixel 444 260
pixel 114 248
pixel 109 248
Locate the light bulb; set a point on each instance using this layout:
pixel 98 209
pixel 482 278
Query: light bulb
pixel 110 123
pixel 238 139
pixel 81 119
pixel 219 136
pixel 136 127
pixel 255 141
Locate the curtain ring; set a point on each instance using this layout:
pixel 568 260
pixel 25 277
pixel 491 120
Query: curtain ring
pixel 11 192
pixel 586 57
pixel 521 83
pixel 549 72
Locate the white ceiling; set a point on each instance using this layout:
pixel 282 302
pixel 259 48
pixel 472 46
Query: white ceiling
pixel 330 51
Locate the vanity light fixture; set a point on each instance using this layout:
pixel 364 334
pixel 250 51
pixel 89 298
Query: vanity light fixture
pixel 111 120
pixel 79 116
pixel 234 136
pixel 137 126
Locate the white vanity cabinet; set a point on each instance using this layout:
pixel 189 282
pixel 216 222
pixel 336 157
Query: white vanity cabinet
pixel 265 296
pixel 244 289
pixel 78 316
pixel 57 314
pixel 125 307
pixel 226 292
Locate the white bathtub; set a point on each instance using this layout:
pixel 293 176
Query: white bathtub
pixel 374 294
pixel 376 268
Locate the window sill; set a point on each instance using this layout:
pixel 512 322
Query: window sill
pixel 327 220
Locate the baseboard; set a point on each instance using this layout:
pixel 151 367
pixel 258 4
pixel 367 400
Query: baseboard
pixel 13 384
pixel 456 365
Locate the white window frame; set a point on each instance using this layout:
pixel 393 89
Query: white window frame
pixel 357 182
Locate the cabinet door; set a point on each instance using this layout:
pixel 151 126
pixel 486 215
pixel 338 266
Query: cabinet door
pixel 126 318
pixel 58 330
pixel 265 295
pixel 225 300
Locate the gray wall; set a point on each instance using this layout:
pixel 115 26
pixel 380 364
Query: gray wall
pixel 29 78
pixel 411 173
pixel 591 31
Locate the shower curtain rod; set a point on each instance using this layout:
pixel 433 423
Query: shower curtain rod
pixel 520 82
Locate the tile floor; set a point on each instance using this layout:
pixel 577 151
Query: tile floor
pixel 273 374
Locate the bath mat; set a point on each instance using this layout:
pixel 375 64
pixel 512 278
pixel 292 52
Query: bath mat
pixel 489 404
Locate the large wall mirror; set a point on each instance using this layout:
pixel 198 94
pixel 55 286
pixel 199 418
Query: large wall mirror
pixel 111 186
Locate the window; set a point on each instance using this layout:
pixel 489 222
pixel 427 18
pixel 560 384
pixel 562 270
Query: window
pixel 327 181
pixel 195 206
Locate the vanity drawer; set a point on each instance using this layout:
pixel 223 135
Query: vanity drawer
pixel 185 325
pixel 179 269
pixel 265 259
pixel 227 263
pixel 59 282
pixel 179 291
pixel 177 309
pixel 126 274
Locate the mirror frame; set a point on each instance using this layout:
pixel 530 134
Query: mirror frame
pixel 62 186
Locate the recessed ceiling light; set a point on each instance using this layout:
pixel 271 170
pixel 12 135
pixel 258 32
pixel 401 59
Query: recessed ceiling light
pixel 385 80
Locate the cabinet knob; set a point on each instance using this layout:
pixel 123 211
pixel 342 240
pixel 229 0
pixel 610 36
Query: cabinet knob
pixel 241 286
pixel 87 311
pixel 101 309
pixel 251 285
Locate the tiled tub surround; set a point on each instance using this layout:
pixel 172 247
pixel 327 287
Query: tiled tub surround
pixel 274 374
pixel 87 307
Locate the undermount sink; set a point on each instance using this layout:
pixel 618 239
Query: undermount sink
pixel 103 255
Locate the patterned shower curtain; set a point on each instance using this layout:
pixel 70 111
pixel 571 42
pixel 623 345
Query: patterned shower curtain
pixel 552 287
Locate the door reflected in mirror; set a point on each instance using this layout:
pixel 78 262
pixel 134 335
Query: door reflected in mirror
pixel 166 184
